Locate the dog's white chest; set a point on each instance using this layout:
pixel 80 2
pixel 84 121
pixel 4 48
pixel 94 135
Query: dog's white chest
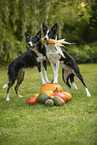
pixel 52 53
pixel 40 56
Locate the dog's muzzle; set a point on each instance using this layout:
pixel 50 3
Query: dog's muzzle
pixel 45 38
pixel 31 45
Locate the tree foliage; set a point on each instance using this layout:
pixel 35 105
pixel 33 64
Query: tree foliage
pixel 76 20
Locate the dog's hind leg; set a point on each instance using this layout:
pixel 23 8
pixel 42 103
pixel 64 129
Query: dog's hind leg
pixel 72 81
pixel 65 77
pixel 78 74
pixel 8 90
pixel 81 79
pixel 20 78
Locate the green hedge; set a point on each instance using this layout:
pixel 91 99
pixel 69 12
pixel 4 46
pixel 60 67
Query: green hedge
pixel 10 47
pixel 84 53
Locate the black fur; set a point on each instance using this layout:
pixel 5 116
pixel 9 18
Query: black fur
pixel 28 59
pixel 69 61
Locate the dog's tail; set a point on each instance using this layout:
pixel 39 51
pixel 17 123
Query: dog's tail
pixel 5 86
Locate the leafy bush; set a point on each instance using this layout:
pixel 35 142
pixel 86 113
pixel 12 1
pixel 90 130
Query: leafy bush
pixel 83 54
pixel 10 47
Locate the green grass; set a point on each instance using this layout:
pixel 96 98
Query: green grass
pixel 74 123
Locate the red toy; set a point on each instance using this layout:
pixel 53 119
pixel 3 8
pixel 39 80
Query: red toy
pixel 32 100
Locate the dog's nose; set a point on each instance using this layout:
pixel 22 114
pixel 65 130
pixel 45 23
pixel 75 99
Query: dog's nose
pixel 45 38
pixel 29 44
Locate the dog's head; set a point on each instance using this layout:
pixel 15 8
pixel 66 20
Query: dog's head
pixel 49 33
pixel 33 41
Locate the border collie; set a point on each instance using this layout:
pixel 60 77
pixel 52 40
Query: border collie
pixel 68 64
pixel 29 59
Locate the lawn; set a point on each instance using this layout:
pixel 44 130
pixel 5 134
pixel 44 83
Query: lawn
pixel 75 123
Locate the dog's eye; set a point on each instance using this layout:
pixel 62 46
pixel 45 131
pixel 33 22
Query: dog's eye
pixel 50 34
pixel 45 33
pixel 32 40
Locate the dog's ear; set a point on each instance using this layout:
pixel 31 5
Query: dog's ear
pixel 54 28
pixel 38 35
pixel 44 28
pixel 27 36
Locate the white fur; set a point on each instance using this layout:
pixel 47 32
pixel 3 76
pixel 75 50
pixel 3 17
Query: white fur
pixel 74 85
pixel 53 57
pixel 30 43
pixel 46 36
pixel 68 89
pixel 43 81
pixel 7 99
pixel 20 96
pixel 88 94
pixel 45 72
pixel 40 56
pixel 5 86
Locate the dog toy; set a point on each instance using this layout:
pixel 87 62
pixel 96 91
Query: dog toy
pixel 52 41
pixel 57 43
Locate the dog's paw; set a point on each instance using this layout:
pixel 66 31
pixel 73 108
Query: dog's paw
pixel 55 82
pixel 20 96
pixel 43 83
pixel 74 85
pixel 88 94
pixel 48 82
pixel 7 99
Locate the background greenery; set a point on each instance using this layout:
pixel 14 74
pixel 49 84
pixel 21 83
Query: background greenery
pixel 75 123
pixel 77 22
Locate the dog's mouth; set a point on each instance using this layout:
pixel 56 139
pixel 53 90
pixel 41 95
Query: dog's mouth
pixel 31 47
pixel 46 39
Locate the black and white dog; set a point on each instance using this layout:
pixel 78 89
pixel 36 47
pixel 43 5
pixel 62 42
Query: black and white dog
pixel 51 52
pixel 29 59
pixel 68 64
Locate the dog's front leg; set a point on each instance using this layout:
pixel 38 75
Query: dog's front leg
pixel 54 71
pixel 45 71
pixel 42 78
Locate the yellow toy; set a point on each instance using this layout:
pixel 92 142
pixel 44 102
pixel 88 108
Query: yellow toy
pixel 57 43
pixel 52 41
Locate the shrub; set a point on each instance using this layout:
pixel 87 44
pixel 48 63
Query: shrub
pixel 10 46
pixel 83 54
